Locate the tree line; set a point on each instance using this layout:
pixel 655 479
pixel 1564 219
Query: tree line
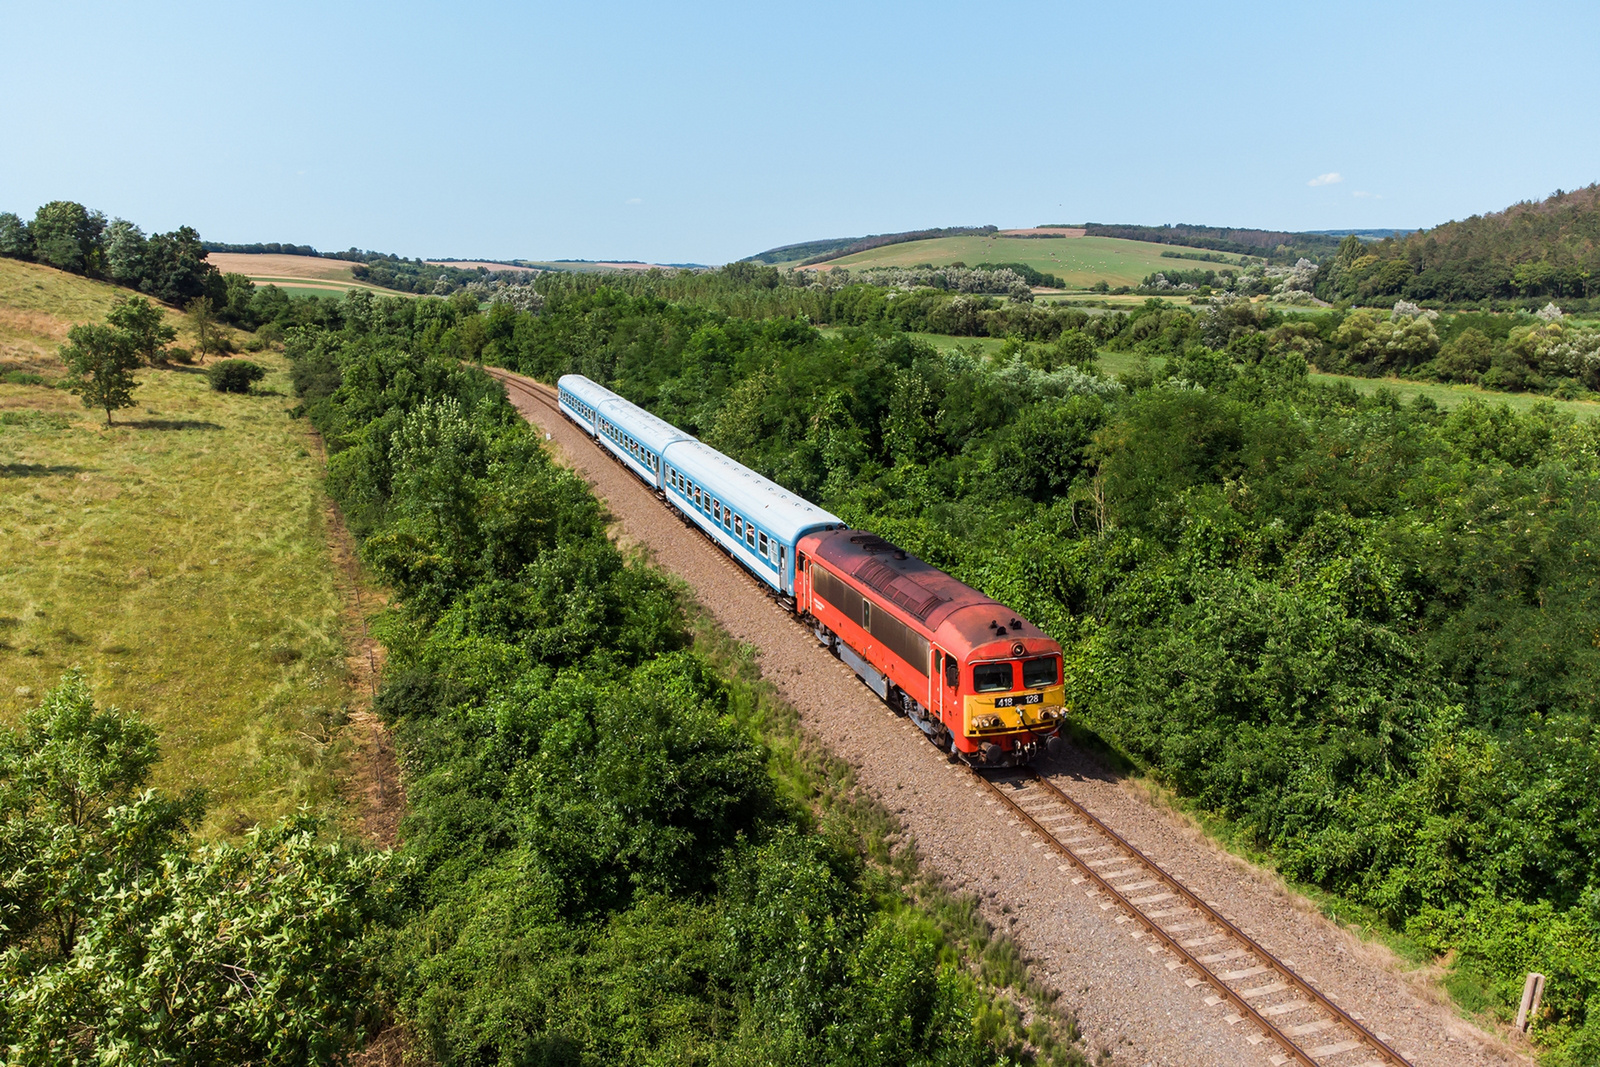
pixel 1548 249
pixel 68 236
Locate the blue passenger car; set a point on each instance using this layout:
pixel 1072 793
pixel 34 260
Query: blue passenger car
pixel 631 433
pixel 755 519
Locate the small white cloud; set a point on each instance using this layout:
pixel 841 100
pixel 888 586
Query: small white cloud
pixel 633 200
pixel 1333 177
pixel 1362 194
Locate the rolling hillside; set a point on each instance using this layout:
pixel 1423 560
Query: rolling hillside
pixel 1079 261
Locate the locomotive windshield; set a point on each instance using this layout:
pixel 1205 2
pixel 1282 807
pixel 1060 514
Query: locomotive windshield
pixel 1038 673
pixel 990 677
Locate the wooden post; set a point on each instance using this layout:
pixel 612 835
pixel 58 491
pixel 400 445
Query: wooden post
pixel 1532 993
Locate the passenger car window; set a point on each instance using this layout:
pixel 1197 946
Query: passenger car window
pixel 991 677
pixel 1037 673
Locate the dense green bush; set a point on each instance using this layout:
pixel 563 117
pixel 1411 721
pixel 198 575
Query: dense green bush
pixel 234 375
pixel 121 943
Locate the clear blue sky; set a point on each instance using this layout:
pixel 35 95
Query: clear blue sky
pixel 707 132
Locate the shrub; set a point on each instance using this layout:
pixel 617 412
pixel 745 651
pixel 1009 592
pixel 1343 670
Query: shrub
pixel 235 375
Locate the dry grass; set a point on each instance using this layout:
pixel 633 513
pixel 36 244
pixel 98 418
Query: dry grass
pixel 180 558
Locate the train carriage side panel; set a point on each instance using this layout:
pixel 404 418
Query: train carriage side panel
pixel 754 519
pixel 579 397
pixel 624 429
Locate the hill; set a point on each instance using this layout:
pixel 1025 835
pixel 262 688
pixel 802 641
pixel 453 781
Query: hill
pixel 1532 251
pixel 180 558
pixel 809 252
pixel 1078 261
pixel 1279 245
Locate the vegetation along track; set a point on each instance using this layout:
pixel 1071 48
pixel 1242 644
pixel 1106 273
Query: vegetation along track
pixel 1278 1005
pixel 1266 992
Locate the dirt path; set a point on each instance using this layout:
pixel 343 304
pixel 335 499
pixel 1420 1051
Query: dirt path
pixel 1127 1001
pixel 371 780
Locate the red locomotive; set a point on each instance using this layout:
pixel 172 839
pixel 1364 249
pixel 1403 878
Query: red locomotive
pixel 981 682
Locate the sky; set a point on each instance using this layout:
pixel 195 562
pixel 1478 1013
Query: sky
pixel 698 132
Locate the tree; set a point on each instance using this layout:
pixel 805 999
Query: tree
pixel 125 252
pixel 15 241
pixel 67 235
pixel 61 776
pixel 176 270
pixel 202 316
pixel 100 362
pixel 146 327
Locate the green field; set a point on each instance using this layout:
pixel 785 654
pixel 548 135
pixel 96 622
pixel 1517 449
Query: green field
pixel 179 558
pixel 1079 261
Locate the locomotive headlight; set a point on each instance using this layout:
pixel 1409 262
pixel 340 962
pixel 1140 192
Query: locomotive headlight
pixel 986 722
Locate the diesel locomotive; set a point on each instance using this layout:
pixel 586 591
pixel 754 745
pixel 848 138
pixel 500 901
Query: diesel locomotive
pixel 982 683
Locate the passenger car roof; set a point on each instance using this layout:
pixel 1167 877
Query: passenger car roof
pixel 654 433
pixel 750 494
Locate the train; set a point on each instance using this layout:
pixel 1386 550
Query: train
pixel 982 683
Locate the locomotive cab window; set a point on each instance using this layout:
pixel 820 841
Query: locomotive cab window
pixel 952 672
pixel 991 677
pixel 1038 673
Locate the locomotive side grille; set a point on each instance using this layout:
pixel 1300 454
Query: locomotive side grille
pixel 903 591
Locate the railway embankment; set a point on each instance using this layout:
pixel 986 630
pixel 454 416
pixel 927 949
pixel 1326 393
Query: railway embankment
pixel 1127 998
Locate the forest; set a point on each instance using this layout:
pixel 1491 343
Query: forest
pixel 1549 249
pixel 1359 630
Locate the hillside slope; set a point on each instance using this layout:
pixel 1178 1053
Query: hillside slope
pixel 179 558
pixel 1535 250
pixel 1078 261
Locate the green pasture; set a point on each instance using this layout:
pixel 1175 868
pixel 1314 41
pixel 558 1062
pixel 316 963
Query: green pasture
pixel 179 558
pixel 1079 261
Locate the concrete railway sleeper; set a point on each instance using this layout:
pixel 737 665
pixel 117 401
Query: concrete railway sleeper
pixel 1262 989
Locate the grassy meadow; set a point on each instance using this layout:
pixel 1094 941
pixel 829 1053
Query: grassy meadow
pixel 179 558
pixel 1079 261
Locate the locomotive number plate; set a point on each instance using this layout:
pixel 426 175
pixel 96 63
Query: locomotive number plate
pixel 1026 698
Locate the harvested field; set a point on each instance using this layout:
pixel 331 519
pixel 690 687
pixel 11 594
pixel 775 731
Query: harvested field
pixel 279 266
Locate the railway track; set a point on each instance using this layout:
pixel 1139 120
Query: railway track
pixel 1203 948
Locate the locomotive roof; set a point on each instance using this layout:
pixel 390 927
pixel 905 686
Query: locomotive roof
pixel 748 493
pixel 947 607
pixel 654 433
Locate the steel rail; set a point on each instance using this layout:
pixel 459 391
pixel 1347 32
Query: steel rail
pixel 543 394
pixel 1283 970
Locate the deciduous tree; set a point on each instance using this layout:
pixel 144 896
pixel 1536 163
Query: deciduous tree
pixel 100 363
pixel 203 318
pixel 146 327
